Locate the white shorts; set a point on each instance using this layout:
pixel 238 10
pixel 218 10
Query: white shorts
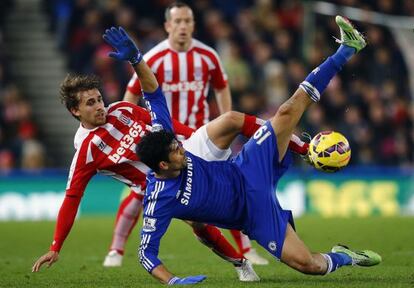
pixel 201 146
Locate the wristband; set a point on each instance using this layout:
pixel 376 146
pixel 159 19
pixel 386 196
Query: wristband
pixel 173 280
pixel 136 59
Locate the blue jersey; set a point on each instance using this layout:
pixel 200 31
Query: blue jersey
pixel 235 194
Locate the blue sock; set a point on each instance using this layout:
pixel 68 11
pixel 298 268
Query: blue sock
pixel 336 260
pixel 317 81
pixel 343 54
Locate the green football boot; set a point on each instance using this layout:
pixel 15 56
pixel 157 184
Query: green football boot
pixel 349 35
pixel 360 258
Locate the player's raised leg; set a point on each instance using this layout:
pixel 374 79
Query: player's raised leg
pixel 225 128
pixel 311 88
pixel 294 252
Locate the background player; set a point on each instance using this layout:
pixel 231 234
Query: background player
pixel 233 194
pixel 185 68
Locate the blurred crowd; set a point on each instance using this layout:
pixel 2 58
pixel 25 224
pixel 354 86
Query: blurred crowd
pixel 19 144
pixel 261 45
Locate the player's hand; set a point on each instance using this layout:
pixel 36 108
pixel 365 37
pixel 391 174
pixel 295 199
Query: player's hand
pixel 49 258
pixel 123 44
pixel 187 280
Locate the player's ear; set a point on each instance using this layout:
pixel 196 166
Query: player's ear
pixel 75 111
pixel 163 165
pixel 167 26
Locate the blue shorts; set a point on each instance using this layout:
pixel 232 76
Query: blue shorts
pixel 258 161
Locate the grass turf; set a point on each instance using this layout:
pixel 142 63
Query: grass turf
pixel 82 255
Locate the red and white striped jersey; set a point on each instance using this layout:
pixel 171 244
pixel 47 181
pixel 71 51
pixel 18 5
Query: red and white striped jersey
pixel 185 78
pixel 110 149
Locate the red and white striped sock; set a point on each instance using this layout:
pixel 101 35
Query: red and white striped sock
pixel 128 214
pixel 214 239
pixel 298 146
pixel 242 241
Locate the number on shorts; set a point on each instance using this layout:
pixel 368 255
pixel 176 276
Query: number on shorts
pixel 260 135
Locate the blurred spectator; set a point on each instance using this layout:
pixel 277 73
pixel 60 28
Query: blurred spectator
pixel 17 132
pixel 238 70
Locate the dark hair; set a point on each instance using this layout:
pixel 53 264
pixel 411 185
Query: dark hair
pixel 154 148
pixel 177 4
pixel 75 83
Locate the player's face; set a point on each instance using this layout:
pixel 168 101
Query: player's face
pixel 91 109
pixel 176 156
pixel 180 27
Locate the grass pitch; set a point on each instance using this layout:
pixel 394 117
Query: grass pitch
pixel 80 263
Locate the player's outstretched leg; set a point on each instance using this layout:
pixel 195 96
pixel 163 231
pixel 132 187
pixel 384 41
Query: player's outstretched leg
pixel 296 255
pixel 315 83
pixel 359 258
pixel 294 251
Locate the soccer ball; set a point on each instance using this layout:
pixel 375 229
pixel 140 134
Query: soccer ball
pixel 329 151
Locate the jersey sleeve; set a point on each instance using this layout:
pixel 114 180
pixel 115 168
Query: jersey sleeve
pixel 79 176
pixel 153 228
pixel 181 129
pixel 80 172
pixel 140 113
pixel 143 114
pixel 157 105
pixel 218 75
pixel 64 222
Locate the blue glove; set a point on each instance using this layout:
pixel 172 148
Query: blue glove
pixel 125 47
pixel 187 280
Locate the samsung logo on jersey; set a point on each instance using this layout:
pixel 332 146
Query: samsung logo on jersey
pixel 184 86
pixel 185 199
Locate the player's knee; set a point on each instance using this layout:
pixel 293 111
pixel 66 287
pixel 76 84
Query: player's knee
pixel 284 110
pixel 233 119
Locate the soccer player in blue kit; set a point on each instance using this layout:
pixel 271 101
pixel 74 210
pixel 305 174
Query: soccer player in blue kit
pixel 238 193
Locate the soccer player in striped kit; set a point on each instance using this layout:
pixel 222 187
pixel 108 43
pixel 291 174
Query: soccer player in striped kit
pixel 237 193
pixel 185 68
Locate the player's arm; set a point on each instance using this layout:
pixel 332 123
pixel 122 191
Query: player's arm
pixel 65 219
pixel 223 98
pixel 220 84
pixel 131 97
pixel 153 229
pixel 67 212
pixel 133 91
pixel 128 51
pixel 144 115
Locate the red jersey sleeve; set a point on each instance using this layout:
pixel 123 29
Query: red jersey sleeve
pixel 65 219
pixel 143 114
pixel 79 176
pixel 182 129
pixel 218 75
pixel 139 112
